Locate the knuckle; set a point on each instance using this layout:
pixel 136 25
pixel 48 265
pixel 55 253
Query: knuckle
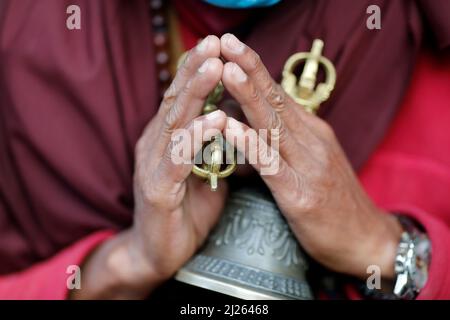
pixel 255 62
pixel 169 97
pixel 167 156
pixel 172 118
pixel 170 93
pixel 186 90
pixel 283 142
pixel 278 138
pixel 254 97
pixel 275 97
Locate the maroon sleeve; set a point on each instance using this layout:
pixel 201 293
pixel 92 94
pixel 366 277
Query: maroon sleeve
pixel 48 280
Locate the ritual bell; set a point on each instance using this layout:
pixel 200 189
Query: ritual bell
pixel 252 253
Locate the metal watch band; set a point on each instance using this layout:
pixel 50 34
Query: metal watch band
pixel 412 260
pixel 411 264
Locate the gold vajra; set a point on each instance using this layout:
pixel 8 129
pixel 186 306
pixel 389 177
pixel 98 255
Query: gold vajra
pixel 305 91
pixel 211 168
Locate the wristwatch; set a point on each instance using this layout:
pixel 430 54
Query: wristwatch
pixel 411 265
pixel 412 261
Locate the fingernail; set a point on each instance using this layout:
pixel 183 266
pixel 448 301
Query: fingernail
pixel 213 115
pixel 233 43
pixel 204 66
pixel 203 45
pixel 238 74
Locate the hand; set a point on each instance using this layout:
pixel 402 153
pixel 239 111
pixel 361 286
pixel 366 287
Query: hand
pixel 315 186
pixel 173 211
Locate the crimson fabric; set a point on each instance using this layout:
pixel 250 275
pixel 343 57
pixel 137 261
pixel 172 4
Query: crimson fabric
pixel 48 280
pixel 410 171
pixel 73 103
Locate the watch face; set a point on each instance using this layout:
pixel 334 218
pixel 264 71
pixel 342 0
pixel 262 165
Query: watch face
pixel 423 253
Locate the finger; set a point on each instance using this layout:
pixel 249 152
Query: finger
pixel 257 110
pixel 235 51
pixel 207 48
pixel 273 169
pixel 176 163
pixel 190 101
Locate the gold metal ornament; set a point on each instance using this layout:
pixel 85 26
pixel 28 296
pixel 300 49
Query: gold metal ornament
pixel 304 91
pixel 252 253
pixel 211 169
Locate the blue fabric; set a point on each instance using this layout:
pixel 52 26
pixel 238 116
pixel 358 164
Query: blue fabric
pixel 242 4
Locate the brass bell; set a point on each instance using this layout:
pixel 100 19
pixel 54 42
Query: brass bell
pixel 252 253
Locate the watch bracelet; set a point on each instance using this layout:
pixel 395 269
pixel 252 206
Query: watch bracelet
pixel 406 250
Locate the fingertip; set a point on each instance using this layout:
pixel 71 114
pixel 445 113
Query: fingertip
pixel 209 46
pixel 238 74
pixel 211 67
pixel 233 74
pixel 217 117
pixel 216 65
pixel 229 43
pixel 216 114
pixel 215 45
pixel 226 74
pixel 223 39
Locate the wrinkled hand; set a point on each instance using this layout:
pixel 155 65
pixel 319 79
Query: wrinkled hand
pixel 315 186
pixel 174 211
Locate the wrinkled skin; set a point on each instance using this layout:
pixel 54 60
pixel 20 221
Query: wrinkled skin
pixel 315 186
